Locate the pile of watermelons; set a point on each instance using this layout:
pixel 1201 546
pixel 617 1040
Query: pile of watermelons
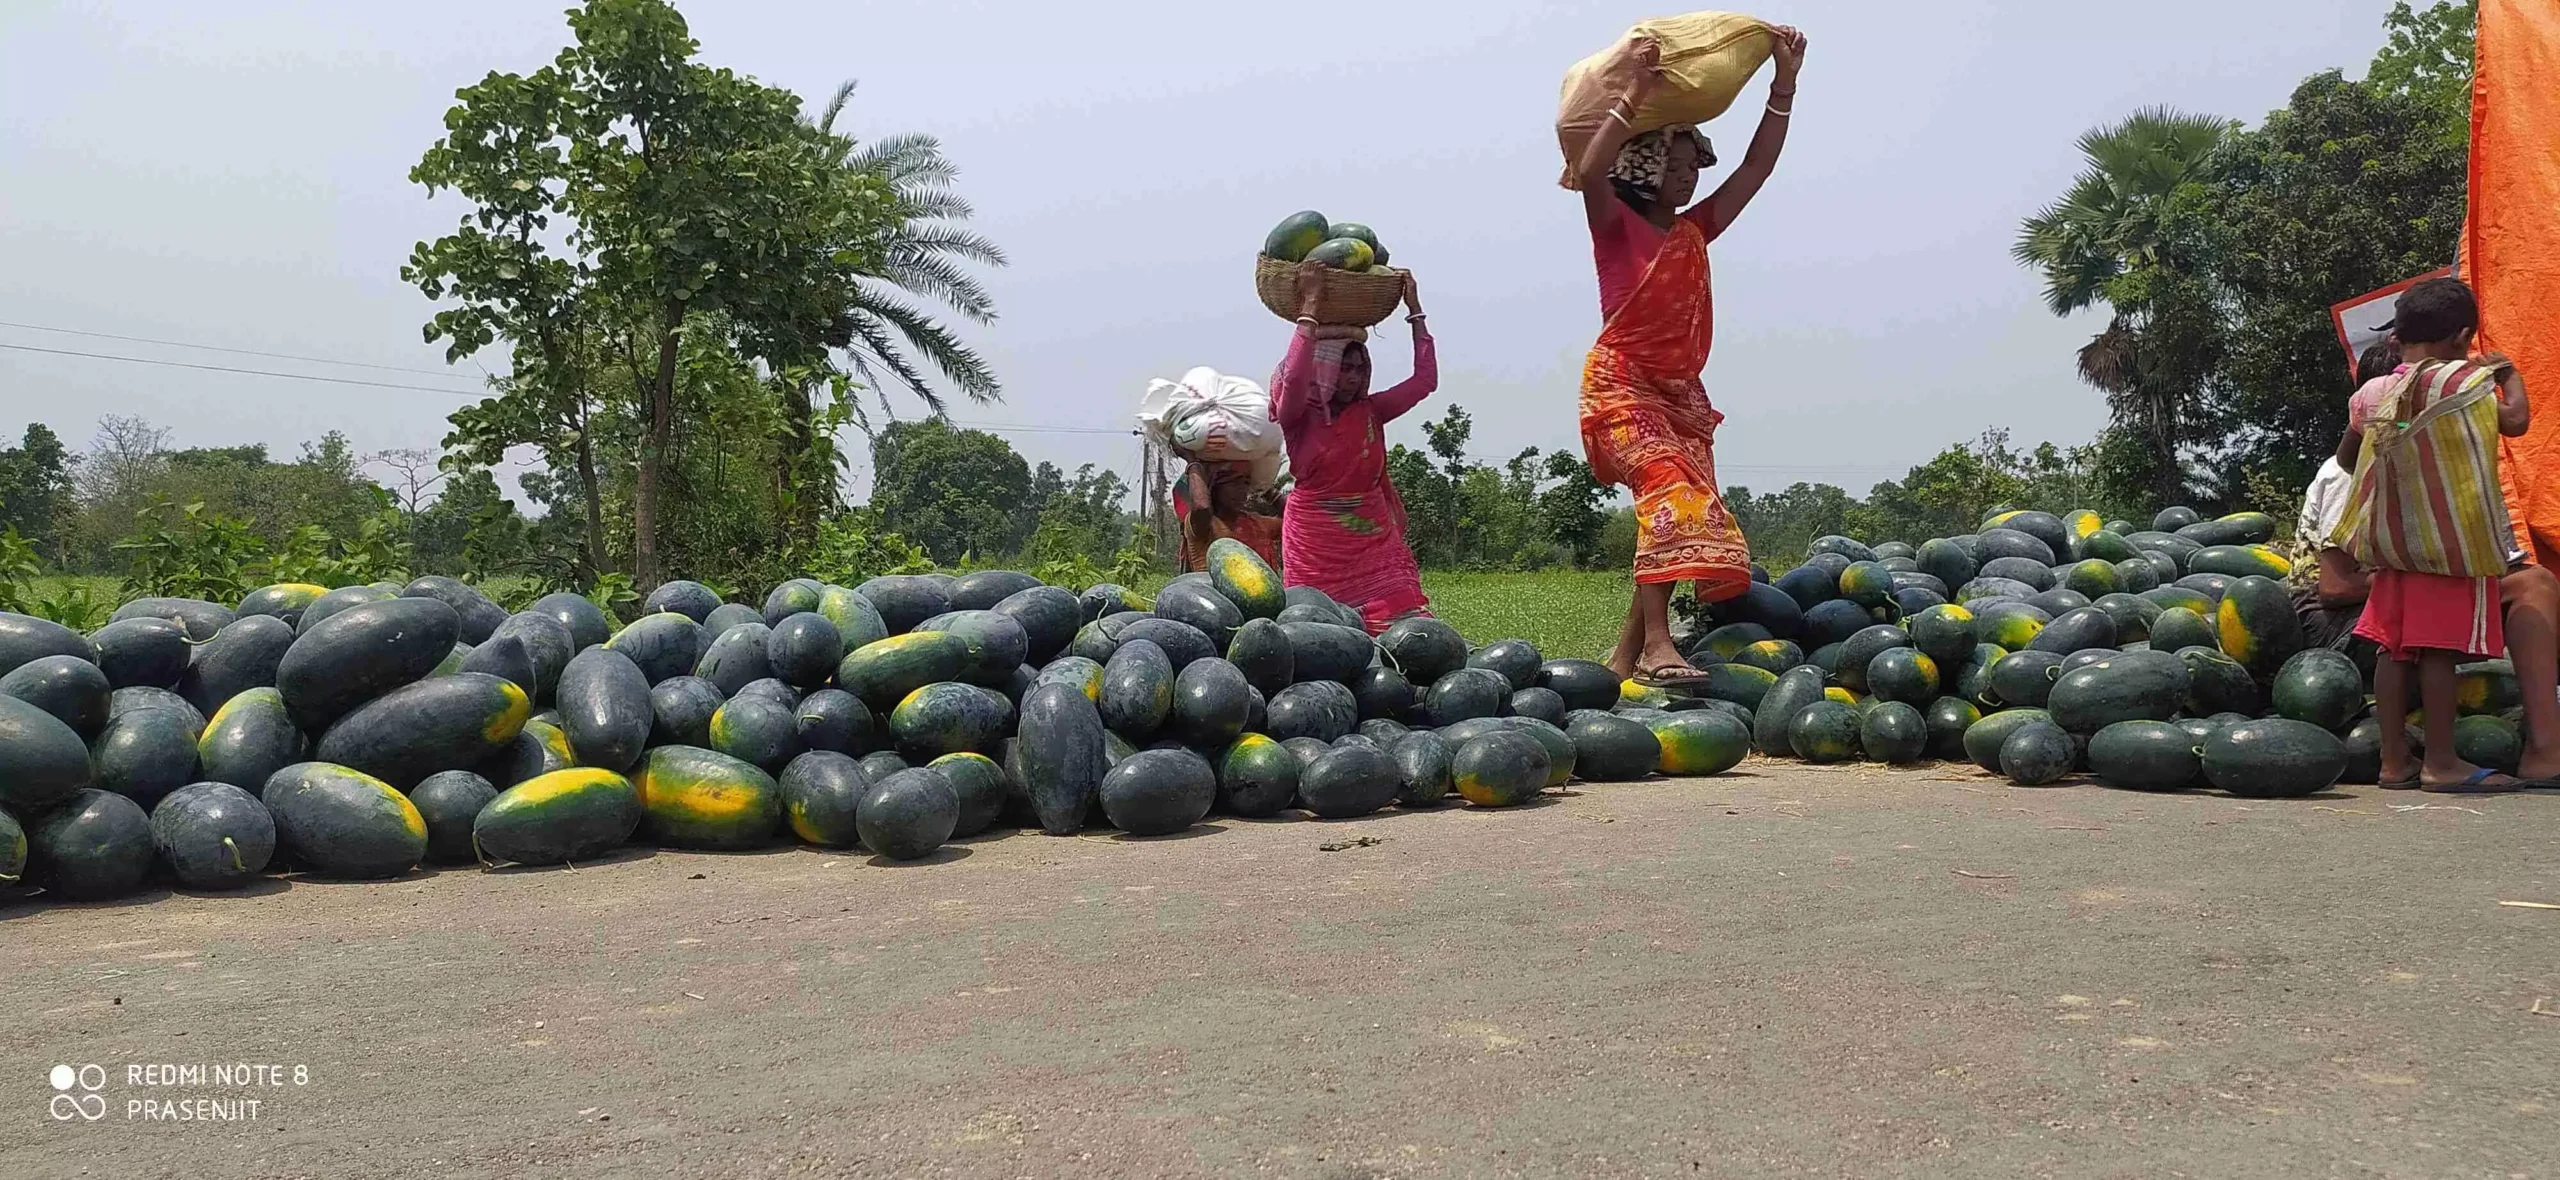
pixel 361 731
pixel 2156 659
pixel 1342 245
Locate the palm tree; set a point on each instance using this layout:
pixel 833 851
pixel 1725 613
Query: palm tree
pixel 922 254
pixel 2121 236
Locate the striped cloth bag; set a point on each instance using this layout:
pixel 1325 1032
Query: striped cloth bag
pixel 2426 497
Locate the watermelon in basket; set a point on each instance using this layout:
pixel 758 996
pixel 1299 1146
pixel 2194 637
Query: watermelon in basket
pixel 1359 288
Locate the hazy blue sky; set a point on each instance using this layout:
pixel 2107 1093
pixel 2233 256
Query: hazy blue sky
pixel 236 173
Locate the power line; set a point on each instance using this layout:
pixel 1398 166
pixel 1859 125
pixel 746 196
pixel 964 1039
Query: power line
pixel 103 356
pixel 282 356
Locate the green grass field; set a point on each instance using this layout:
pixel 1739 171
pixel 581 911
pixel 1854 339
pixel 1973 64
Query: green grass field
pixel 1567 613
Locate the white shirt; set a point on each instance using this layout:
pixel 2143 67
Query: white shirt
pixel 2324 502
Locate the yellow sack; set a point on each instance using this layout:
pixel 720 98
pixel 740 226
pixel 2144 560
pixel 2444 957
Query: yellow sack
pixel 1706 59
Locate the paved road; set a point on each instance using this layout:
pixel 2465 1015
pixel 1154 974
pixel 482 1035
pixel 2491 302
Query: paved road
pixel 1778 973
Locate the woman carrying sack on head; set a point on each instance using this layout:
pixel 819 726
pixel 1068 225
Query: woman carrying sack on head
pixel 1343 530
pixel 1646 420
pixel 1214 500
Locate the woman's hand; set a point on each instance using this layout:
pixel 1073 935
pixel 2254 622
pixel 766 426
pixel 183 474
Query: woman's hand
pixel 1412 296
pixel 1647 80
pixel 1789 54
pixel 1310 287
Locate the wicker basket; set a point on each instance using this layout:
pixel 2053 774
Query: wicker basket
pixel 1359 299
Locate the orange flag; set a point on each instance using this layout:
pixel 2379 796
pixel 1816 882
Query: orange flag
pixel 2511 243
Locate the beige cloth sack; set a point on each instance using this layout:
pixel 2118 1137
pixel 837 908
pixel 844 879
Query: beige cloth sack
pixel 1707 57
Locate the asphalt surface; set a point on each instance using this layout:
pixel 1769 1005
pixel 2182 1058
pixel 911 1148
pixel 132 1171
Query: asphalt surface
pixel 1786 971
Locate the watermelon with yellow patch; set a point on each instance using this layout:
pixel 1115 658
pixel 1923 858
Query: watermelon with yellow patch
pixel 1700 742
pixel 340 822
pixel 1841 696
pixel 883 672
pixel 697 798
pixel 284 600
pixel 2240 561
pixel 451 722
pixel 2487 688
pixel 566 815
pixel 1296 234
pixel 1641 696
pixel 1243 578
pixel 2011 625
pixel 2257 625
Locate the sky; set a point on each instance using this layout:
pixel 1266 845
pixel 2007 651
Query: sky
pixel 235 174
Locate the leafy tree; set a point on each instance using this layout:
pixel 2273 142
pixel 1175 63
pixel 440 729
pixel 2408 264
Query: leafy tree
pixel 2347 188
pixel 35 489
pixel 2427 57
pixel 1080 518
pixel 2129 233
pixel 949 490
pixel 1571 509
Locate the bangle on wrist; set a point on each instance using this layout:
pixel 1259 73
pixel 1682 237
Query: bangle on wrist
pixel 1621 117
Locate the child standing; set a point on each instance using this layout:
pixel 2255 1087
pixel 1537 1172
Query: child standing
pixel 2426 515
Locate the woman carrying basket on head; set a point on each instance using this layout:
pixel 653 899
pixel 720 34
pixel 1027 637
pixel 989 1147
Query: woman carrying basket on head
pixel 1646 420
pixel 1343 529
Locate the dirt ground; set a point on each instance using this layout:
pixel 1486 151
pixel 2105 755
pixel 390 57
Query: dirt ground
pixel 1785 971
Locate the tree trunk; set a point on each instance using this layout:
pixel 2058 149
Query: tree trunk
pixel 791 455
pixel 645 569
pixel 594 498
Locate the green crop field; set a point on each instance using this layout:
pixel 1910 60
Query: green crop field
pixel 1567 613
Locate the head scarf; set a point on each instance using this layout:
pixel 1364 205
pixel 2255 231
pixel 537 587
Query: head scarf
pixel 1333 342
pixel 1643 161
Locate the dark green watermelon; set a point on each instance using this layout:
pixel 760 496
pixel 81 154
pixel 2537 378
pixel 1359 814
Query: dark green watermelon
pixel 765 733
pixel 1541 703
pixel 2036 754
pixel 1611 749
pixel 42 762
pixel 855 618
pixel 1261 651
pixel 2145 756
pixel 247 654
pixel 790 598
pixel 1159 792
pixel 1825 731
pixel 1204 609
pixel 2274 758
pixel 2492 742
pixel 73 690
pixel 908 815
pixel 2179 627
pixel 559 818
pixel 1516 659
pixel 1320 709
pixel 1793 692
pixel 2076 630
pixel 2218 684
pixel 980 786
pixel 449 801
pixel 444 723
pixel 94 846
pixel 144 755
pixel 1325 651
pixel 1903 674
pixel 1562 756
pixel 983 589
pixel 1983 739
pixel 201 619
pixel 1948 719
pixel 1894 732
pixel 1258 776
pixel 1499 768
pixel 1061 755
pixel 1465 693
pixel 344 823
pixel 152 652
pixel 821 793
pixel 361 653
pixel 476 614
pixel 2126 686
pixel 680 708
pixel 1137 689
pixel 2320 686
pixel 1048 617
pixel 1383 692
pixel 996 644
pixel 946 718
pixel 1211 702
pixel 1422 768
pixel 1701 742
pixel 1582 683
pixel 1424 649
pixel 1345 782
pixel 330 603
pixel 804 649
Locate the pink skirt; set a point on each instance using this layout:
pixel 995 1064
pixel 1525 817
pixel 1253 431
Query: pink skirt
pixel 2408 613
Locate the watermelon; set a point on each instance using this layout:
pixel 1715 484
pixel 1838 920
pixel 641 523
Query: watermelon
pixel 42 761
pixel 1182 642
pixel 736 658
pixel 1346 782
pixel 941 719
pixel 983 589
pixel 73 690
pixel 1740 684
pixel 13 850
pixel 2488 741
pixel 1849 547
pixel 539 749
pixel 144 755
pixel 1903 674
pixel 1767 606
pixel 1582 683
pixel 1825 731
pixel 997 645
pixel 2058 601
pixel 765 733
pixel 2180 627
pixel 1948 718
pixel 1500 768
pixel 1467 693
pixel 2238 528
pixel 790 598
pixel 2036 754
pixel 477 614
pixel 1983 739
pixel 1243 579
pixel 1048 617
pixel 586 622
pixel 446 723
pixel 1061 755
pixel 2170 520
pixel 361 653
pixel 1729 641
pixel 1562 757
pixel 2026 571
pixel 2319 686
pixel 1700 742
pixel 201 619
pixel 1383 692
pixel 1866 583
pixel 696 798
pixel 980 786
pixel 1541 703
pixel 2126 686
pixel 2218 684
pixel 1993 544
pixel 2482 689
pixel 146 651
pixel 245 655
pixel 2168 598
pixel 143 700
pixel 693 600
pixel 1075 672
pixel 1610 749
pixel 857 621
pixel 2258 627
pixel 449 801
pixel 2140 573
pixel 2239 561
pixel 1349 254
pixel 881 764
pixel 1424 649
pixel 1359 232
pixel 803 649
pixel 1946 561
pixel 1834 622
pixel 1517 660
pixel 569 815
pixel 2077 630
pixel 339 822
pixel 331 602
pixel 1258 776
pixel 25 638
pixel 680 708
pixel 1789 695
pixel 1261 651
pixel 1944 633
pixel 213 835
pixel 1859 651
pixel 831 719
pixel 2023 678
pixel 1320 709
pixel 2012 625
pixel 94 846
pixel 1773 656
pixel 1137 690
pixel 1211 703
pixel 1159 792
pixel 2145 756
pixel 2211 586
pixel 884 672
pixel 2276 758
pixel 1894 732
pixel 1295 236
pixel 1422 769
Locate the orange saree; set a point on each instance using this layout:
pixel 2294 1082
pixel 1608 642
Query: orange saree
pixel 1647 423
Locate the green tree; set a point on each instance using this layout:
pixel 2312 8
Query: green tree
pixel 949 490
pixel 2130 233
pixel 2347 188
pixel 2427 56
pixel 1571 510
pixel 35 490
